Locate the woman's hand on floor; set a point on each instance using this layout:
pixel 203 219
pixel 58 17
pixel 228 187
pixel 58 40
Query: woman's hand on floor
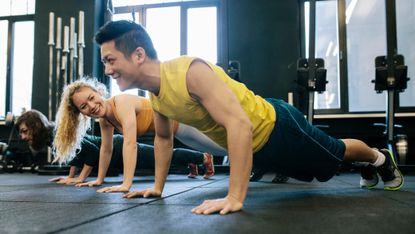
pixel 115 189
pixel 91 183
pixel 66 180
pixel 150 192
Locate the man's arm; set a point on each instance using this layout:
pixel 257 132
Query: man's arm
pixel 163 150
pixel 223 106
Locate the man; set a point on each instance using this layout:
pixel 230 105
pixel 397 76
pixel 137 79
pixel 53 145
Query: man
pixel 269 132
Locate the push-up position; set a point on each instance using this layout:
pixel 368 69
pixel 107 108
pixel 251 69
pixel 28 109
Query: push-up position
pixel 266 132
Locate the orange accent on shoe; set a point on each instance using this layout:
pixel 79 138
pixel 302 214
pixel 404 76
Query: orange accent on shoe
pixel 193 171
pixel 209 166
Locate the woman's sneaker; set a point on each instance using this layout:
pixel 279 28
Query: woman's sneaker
pixel 193 171
pixel 390 173
pixel 209 166
pixel 369 177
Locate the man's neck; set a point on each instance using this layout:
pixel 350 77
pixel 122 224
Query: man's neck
pixel 149 79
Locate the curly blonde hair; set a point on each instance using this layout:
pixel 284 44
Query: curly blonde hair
pixel 71 125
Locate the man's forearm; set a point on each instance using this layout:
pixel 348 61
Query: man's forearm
pixel 163 149
pixel 130 162
pixel 240 153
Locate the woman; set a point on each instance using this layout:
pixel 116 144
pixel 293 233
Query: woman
pixel 128 114
pixel 37 130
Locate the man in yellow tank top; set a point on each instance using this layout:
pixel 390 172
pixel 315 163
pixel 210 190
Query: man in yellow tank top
pixel 268 133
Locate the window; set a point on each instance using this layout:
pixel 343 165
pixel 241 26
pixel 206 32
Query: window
pixel 17 7
pixel 176 27
pixel 202 31
pixel 366 39
pixel 22 57
pixel 16 51
pixel 3 65
pixel 326 48
pixel 163 26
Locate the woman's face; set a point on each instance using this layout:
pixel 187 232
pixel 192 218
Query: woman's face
pixel 25 133
pixel 89 102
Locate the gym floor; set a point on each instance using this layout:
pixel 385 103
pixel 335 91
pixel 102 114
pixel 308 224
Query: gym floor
pixel 30 204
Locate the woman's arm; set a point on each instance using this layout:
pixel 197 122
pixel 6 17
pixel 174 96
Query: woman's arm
pixel 127 106
pixel 86 170
pixel 163 148
pixel 105 153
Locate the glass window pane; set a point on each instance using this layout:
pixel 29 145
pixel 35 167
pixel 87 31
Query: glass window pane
pixel 202 33
pixel 3 65
pixel 405 20
pixel 5 8
pixel 163 23
pixel 17 7
pixel 366 39
pixel 31 5
pixel 327 49
pixel 23 39
pixel 20 7
pixel 115 90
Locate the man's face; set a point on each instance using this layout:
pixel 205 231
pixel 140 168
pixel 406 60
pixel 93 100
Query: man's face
pixel 25 133
pixel 120 68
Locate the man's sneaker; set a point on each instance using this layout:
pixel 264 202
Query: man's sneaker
pixel 369 177
pixel 389 172
pixel 209 166
pixel 193 170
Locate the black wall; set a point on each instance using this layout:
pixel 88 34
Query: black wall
pixel 264 37
pixel 65 9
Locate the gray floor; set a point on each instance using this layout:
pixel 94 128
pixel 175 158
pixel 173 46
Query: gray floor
pixel 30 204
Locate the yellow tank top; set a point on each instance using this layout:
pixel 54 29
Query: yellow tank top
pixel 175 102
pixel 144 119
